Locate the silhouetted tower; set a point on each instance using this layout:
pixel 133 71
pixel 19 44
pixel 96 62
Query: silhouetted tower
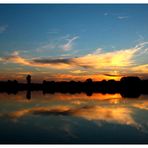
pixel 28 78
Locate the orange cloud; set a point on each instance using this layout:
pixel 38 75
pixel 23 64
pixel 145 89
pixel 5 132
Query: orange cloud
pixel 95 77
pixel 107 60
pixel 16 58
pixel 99 60
pixel 142 105
pixel 140 68
pixel 19 114
pixel 119 115
pixel 84 97
pixel 111 63
pixel 78 71
pixel 24 112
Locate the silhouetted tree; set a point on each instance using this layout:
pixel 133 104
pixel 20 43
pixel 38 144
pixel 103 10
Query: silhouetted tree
pixel 130 82
pixel 89 80
pixel 130 87
pixel 130 79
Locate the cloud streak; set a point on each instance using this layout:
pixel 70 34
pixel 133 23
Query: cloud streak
pixel 98 59
pixel 68 46
pixel 104 62
pixel 3 28
pixel 122 17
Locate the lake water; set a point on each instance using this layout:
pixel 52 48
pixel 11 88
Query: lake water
pixel 78 118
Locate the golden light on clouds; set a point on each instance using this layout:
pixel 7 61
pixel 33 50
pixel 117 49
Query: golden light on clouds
pixel 24 112
pixel 142 105
pixel 141 68
pixel 19 114
pixel 118 115
pixel 84 97
pixel 95 65
pixel 108 60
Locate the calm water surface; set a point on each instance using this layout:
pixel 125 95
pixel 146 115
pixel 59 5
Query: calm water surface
pixel 65 118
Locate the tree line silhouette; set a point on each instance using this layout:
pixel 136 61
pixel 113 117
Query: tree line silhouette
pixel 130 87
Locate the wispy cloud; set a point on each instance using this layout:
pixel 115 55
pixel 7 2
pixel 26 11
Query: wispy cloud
pixel 3 28
pixel 58 63
pixel 78 71
pixel 46 47
pixel 140 38
pixel 107 60
pixel 98 51
pixel 140 68
pixel 122 17
pixel 106 14
pixel 117 15
pixel 53 31
pixel 14 57
pixel 69 44
pixel 58 46
pixel 15 53
pixel 103 62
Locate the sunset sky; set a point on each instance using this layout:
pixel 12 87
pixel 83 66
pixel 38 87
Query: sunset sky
pixel 73 42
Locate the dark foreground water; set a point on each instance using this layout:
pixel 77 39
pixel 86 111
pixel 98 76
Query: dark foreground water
pixel 78 118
